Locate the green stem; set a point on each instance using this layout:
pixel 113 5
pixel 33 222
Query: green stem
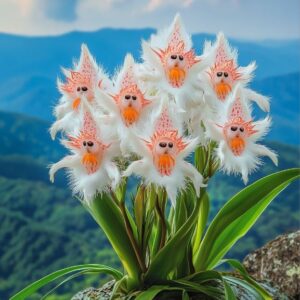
pixel 131 235
pixel 161 216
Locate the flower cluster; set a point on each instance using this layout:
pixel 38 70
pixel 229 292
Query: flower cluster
pixel 153 115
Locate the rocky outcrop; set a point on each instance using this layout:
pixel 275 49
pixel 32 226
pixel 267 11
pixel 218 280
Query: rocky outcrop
pixel 91 293
pixel 278 262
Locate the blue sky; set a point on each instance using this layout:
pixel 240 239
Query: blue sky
pixel 247 19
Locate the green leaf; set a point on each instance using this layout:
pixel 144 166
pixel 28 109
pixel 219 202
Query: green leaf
pixel 32 288
pixel 139 212
pixel 181 213
pixel 153 291
pixel 156 237
pixel 173 252
pixel 69 278
pixel 243 285
pixel 238 215
pixel 108 215
pixel 242 270
pixel 229 294
pixel 190 286
pixel 200 158
pixel 180 217
pixel 209 276
pixel 201 224
pixel 185 296
pixel 204 276
pixel 119 288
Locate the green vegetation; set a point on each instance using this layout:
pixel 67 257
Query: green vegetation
pixel 43 228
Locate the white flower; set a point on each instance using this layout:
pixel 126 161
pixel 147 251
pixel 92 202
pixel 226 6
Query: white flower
pixel 162 161
pixel 224 74
pixel 171 66
pixel 127 106
pixel 90 165
pixel 237 135
pixel 82 82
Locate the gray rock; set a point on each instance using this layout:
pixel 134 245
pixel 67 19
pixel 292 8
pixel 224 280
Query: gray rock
pixel 91 293
pixel 278 262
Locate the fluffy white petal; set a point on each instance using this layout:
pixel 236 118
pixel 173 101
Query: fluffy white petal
pixel 197 179
pixel 105 101
pixel 244 171
pixel 138 167
pixel 262 150
pixel 213 131
pixel 262 101
pixel 69 161
pixel 244 164
pixel 247 72
pixel 113 173
pixel 172 194
pixel 262 127
pixel 192 144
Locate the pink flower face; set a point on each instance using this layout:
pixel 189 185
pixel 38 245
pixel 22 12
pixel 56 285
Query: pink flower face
pixel 175 69
pixel 88 144
pixel 224 73
pixel 176 63
pixel 223 78
pixel 82 81
pixel 176 58
pixel 165 146
pixel 237 130
pixel 164 155
pixel 77 86
pixel 236 133
pixel 130 101
pixel 92 155
pixel 129 98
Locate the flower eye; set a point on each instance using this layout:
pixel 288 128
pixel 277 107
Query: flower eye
pixel 90 144
pixel 173 56
pixel 133 97
pixel 170 145
pixel 242 129
pixel 84 88
pixel 219 74
pixel 180 57
pixel 225 74
pixel 127 97
pixel 84 143
pixel 233 128
pixel 78 89
pixel 163 144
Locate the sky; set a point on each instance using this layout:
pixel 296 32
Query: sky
pixel 244 19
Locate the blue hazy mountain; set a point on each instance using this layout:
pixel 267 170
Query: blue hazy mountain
pixel 43 56
pixel 285 106
pixel 30 66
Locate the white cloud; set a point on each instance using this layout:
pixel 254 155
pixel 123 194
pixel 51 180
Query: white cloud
pixel 156 4
pixel 246 19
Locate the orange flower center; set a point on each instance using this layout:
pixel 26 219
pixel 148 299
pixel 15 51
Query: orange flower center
pixel 76 103
pixel 165 164
pixel 176 76
pixel 237 146
pixel 91 162
pixel 130 115
pixel 222 89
